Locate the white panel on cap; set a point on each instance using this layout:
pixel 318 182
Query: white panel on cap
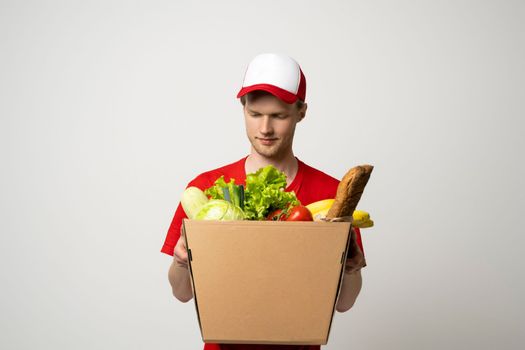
pixel 279 70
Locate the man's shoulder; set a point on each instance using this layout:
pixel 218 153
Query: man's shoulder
pixel 233 170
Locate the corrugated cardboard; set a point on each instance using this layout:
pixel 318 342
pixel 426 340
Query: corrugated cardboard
pixel 266 282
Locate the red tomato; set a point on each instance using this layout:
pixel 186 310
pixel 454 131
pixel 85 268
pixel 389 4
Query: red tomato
pixel 300 213
pixel 276 215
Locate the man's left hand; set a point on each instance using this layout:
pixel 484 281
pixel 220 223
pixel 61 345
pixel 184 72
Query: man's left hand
pixel 355 260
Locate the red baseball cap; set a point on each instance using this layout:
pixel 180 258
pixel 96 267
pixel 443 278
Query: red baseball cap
pixel 277 74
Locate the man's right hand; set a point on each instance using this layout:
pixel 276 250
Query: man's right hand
pixel 180 253
pixel 179 275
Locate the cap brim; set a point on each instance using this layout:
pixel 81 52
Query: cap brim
pixel 284 95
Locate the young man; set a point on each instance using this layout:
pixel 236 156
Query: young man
pixel 272 95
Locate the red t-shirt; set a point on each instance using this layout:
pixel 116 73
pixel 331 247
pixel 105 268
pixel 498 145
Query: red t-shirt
pixel 310 185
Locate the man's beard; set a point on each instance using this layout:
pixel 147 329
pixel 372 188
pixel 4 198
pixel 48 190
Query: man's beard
pixel 273 151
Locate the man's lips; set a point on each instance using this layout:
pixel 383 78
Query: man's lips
pixel 266 141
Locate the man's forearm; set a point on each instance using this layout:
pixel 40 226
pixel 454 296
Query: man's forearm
pixel 179 277
pixel 351 286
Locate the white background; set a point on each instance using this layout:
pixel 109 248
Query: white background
pixel 108 109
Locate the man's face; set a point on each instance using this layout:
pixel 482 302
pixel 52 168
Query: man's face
pixel 270 124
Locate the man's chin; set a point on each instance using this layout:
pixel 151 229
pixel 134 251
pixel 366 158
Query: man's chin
pixel 267 152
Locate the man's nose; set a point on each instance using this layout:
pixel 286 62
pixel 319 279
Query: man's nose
pixel 266 125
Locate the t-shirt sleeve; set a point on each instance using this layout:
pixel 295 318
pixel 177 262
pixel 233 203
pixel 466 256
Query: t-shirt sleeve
pixel 173 234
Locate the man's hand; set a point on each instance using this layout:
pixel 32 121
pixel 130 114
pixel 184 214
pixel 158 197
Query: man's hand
pixel 178 274
pixel 352 280
pixel 355 259
pixel 180 253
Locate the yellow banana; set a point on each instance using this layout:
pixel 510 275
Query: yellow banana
pixel 315 207
pixel 365 224
pixel 360 215
pixel 361 219
pixel 319 210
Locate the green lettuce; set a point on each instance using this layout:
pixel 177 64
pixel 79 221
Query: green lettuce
pixel 216 192
pixel 235 193
pixel 265 192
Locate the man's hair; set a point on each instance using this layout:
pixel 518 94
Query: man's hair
pixel 298 104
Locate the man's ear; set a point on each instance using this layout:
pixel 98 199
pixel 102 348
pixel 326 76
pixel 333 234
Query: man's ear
pixel 302 112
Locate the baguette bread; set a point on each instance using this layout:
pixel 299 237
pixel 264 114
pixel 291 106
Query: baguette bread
pixel 348 195
pixel 349 191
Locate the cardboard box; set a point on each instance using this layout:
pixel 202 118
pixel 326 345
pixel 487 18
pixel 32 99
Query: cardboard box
pixel 266 282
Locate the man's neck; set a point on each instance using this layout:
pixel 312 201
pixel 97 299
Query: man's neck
pixel 287 164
